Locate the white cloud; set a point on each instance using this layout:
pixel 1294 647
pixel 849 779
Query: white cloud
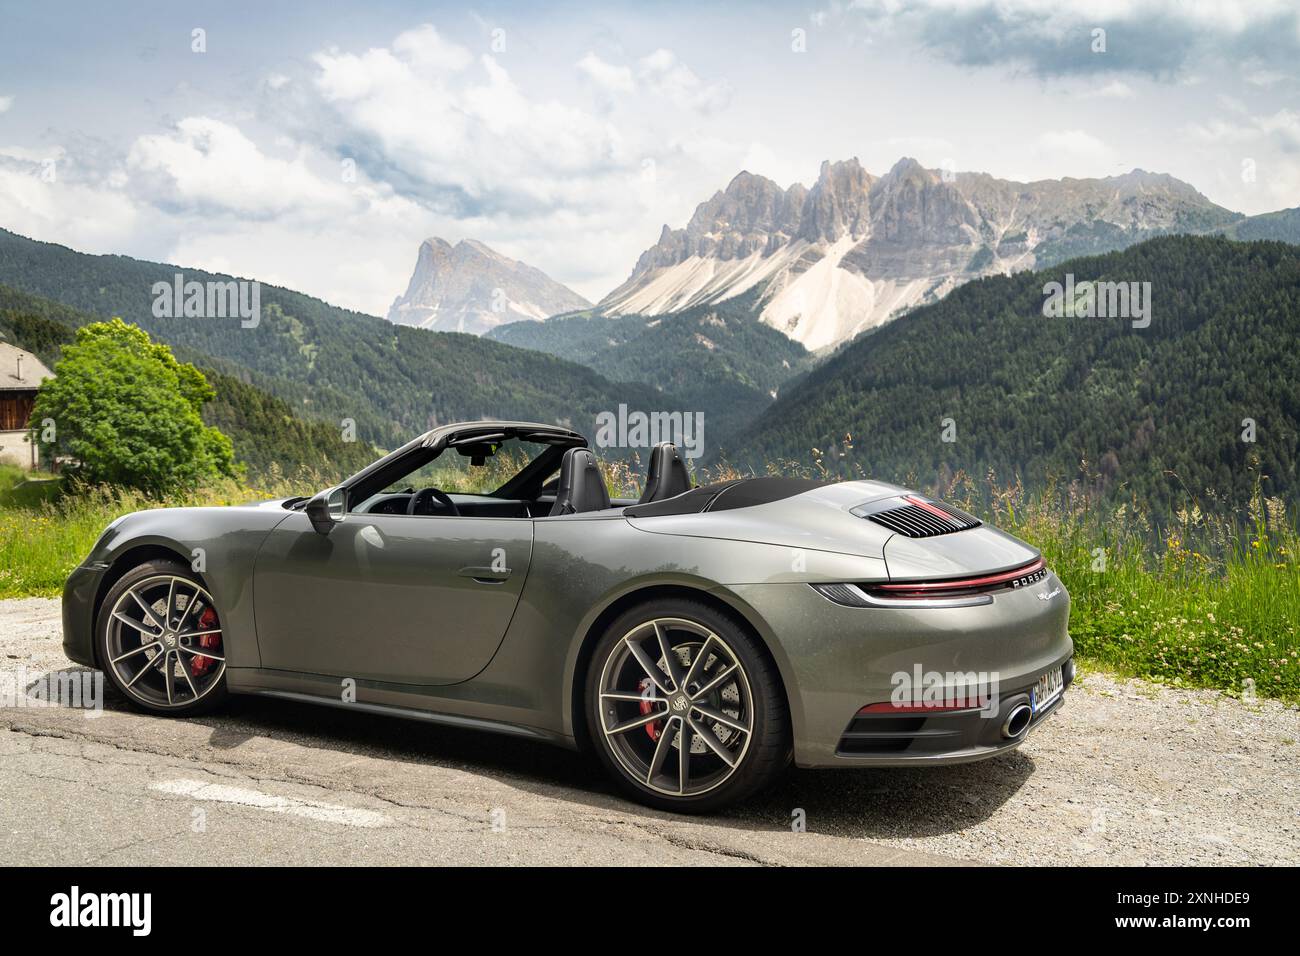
pixel 5 103
pixel 1283 126
pixel 1280 130
pixel 1231 103
pixel 666 75
pixel 607 76
pixel 357 263
pixel 1114 90
pixel 1265 77
pixel 1073 152
pixel 425 50
pixel 1055 37
pixel 79 214
pixel 929 151
pixel 209 163
pixel 1255 72
pixel 467 139
pixel 444 143
pixel 1073 140
pixel 1220 132
pixel 27 154
pixel 763 160
pixel 658 74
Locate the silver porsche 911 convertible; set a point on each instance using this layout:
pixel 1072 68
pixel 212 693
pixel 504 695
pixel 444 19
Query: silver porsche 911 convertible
pixel 698 639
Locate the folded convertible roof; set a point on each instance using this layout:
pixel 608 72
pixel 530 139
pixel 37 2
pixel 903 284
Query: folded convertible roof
pixel 726 495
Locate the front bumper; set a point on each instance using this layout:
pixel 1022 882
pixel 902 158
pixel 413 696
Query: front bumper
pixel 839 659
pixel 79 612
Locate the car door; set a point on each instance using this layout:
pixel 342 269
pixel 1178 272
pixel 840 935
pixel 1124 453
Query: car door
pixel 395 598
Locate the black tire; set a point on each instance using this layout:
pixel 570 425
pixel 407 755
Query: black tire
pixel 192 698
pixel 761 759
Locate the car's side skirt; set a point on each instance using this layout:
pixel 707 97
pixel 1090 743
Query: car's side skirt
pixel 303 688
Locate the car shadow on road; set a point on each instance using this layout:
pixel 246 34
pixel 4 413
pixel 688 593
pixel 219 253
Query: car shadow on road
pixel 891 802
pixel 863 803
pixel 871 803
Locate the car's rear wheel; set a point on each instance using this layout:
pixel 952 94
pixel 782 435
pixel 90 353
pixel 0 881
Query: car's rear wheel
pixel 685 707
pixel 160 641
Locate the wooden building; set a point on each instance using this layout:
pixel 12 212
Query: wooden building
pixel 21 374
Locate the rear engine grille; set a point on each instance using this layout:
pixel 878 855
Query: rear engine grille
pixel 922 518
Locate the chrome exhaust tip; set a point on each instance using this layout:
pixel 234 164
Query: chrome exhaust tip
pixel 1017 721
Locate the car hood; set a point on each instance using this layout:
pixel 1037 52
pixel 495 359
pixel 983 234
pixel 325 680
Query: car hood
pixel 822 519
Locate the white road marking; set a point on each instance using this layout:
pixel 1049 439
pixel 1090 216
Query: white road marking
pixel 244 797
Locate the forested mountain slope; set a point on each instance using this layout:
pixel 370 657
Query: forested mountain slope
pixel 719 360
pixel 1283 225
pixel 1152 411
pixel 327 362
pixel 263 429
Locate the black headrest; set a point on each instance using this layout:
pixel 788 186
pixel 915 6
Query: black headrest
pixel 581 486
pixel 667 476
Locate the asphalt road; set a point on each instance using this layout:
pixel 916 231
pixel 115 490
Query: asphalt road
pixel 1126 773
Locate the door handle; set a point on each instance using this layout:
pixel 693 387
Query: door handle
pixel 485 575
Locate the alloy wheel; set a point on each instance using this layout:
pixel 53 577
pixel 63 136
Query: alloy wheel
pixel 165 642
pixel 675 706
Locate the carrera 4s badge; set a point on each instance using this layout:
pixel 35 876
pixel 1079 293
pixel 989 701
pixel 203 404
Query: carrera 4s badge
pixel 1049 595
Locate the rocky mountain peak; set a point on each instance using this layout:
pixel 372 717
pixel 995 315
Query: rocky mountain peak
pixel 913 204
pixel 470 287
pixel 855 250
pixel 838 203
pixel 908 168
pixel 749 204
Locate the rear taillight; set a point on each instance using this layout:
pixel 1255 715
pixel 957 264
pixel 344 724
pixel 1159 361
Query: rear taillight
pixel 1015 578
pixel 953 592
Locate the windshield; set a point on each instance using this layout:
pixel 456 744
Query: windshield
pixel 458 473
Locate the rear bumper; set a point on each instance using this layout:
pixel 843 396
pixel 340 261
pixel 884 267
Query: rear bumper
pixel 897 740
pixel 79 613
pixel 839 659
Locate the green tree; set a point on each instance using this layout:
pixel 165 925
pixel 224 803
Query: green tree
pixel 125 412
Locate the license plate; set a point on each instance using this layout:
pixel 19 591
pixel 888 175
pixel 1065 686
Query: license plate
pixel 1050 686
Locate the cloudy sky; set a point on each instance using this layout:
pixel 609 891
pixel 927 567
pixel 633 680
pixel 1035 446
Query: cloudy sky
pixel 315 147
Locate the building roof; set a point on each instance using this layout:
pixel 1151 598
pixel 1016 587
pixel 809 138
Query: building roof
pixel 20 370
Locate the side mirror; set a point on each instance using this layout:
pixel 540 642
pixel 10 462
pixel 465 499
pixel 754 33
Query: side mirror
pixel 327 509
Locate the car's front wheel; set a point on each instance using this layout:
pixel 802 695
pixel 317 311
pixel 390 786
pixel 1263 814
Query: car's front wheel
pixel 159 640
pixel 685 707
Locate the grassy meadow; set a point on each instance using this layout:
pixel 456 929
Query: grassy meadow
pixel 1201 602
pixel 45 532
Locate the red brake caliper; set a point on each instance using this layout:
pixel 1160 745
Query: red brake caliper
pixel 207 622
pixel 654 728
